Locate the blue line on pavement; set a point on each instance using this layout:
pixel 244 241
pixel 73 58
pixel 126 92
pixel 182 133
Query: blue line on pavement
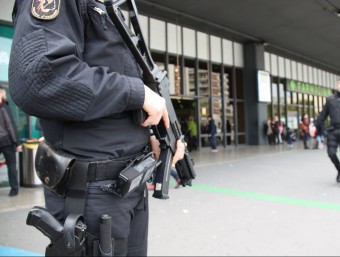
pixel 9 251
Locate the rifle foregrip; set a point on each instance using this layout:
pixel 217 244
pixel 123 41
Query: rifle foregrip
pixel 185 170
pixel 44 221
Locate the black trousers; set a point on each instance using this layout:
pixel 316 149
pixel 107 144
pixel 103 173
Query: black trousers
pixel 333 141
pixel 11 162
pixel 130 215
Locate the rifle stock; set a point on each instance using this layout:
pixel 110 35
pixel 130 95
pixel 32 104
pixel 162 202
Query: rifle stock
pixel 156 80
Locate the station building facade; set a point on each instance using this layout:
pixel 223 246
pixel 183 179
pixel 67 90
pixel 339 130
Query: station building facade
pixel 240 85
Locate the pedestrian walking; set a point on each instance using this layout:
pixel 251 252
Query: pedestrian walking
pixel 9 143
pixel 331 109
pixel 212 131
pixel 304 130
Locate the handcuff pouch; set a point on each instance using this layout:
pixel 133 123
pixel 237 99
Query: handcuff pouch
pixel 53 167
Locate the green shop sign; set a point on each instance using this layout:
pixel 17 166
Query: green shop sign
pixel 306 88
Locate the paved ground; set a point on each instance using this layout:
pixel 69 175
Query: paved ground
pixel 246 201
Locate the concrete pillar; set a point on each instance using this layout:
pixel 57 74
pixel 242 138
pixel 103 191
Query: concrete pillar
pixel 256 113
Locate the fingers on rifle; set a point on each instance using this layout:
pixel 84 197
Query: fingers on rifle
pixel 147 122
pixel 166 118
pixel 180 150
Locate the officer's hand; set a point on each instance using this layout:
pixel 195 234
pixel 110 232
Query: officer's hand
pixel 180 150
pixel 155 146
pixel 155 107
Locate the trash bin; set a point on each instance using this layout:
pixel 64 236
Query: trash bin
pixel 29 175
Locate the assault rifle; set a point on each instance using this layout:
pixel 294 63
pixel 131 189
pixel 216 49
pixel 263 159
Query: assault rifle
pixel 156 80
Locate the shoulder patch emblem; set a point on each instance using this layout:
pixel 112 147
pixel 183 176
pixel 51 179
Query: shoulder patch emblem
pixel 45 9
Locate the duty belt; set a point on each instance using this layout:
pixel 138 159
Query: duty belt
pixel 105 170
pixel 108 169
pixel 84 172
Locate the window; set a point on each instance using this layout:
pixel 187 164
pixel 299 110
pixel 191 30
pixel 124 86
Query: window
pixel 239 83
pixel 189 78
pixel 174 70
pixel 216 83
pixel 275 99
pixel 282 103
pixel 203 80
pixel 229 106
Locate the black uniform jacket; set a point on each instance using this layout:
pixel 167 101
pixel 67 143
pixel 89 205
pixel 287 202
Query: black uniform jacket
pixel 70 67
pixel 331 109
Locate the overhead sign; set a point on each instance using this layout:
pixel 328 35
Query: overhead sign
pixel 307 88
pixel 263 86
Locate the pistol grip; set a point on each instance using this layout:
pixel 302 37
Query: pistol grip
pixel 45 222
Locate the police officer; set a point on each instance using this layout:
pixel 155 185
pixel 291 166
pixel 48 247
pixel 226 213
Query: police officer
pixel 332 109
pixel 70 67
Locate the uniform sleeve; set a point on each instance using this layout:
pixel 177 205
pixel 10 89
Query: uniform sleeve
pixel 48 77
pixel 323 115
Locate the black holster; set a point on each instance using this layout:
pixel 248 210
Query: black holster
pixel 68 177
pixel 72 243
pixel 68 239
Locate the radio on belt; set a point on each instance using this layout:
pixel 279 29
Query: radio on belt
pixel 134 175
